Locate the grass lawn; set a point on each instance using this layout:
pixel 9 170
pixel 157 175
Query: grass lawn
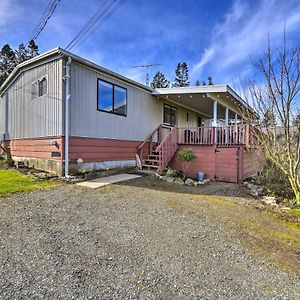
pixel 13 181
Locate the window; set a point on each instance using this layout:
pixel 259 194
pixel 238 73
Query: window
pixel 34 90
pixel 39 88
pixel 43 86
pixel 112 98
pixel 170 115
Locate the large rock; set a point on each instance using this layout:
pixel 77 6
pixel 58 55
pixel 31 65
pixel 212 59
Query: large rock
pixel 189 182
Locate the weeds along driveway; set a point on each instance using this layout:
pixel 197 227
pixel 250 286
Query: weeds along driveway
pixel 144 239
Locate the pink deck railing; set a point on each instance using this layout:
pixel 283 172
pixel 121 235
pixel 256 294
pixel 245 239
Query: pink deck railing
pixel 221 135
pixel 167 148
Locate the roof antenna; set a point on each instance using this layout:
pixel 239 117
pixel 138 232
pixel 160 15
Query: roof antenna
pixel 147 66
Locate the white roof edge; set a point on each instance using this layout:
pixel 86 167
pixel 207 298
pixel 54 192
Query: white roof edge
pixel 222 88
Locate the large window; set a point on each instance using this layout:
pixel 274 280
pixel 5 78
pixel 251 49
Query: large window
pixel 170 115
pixel 112 98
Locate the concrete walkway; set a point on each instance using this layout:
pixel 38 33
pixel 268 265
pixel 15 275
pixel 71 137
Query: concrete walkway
pixel 99 182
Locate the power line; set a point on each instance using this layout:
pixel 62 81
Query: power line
pixel 106 10
pixel 48 12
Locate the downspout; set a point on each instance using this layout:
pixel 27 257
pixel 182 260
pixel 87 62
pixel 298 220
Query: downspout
pixel 67 108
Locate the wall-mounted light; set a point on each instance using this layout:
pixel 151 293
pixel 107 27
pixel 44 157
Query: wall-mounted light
pixel 53 143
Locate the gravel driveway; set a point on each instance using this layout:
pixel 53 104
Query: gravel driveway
pixel 141 239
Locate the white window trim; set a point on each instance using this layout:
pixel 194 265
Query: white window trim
pixel 37 82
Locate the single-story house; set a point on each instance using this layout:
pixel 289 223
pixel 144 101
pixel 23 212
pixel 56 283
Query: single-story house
pixel 62 113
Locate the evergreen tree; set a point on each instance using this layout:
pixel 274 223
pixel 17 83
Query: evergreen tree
pixel 182 75
pixel 7 62
pixel 159 81
pixel 209 79
pixel 33 49
pixel 10 58
pixel 198 82
pixel 22 53
pixel 203 83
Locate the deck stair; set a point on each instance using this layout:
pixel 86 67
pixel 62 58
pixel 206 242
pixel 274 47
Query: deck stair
pixel 160 151
pixel 152 161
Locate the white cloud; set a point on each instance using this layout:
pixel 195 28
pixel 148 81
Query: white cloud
pixel 243 33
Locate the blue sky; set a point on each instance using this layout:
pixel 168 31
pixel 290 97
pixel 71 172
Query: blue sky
pixel 214 37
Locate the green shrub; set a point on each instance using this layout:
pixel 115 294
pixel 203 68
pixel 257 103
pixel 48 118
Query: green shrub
pixel 186 156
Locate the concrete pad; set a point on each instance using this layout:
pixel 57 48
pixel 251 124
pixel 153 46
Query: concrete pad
pixel 99 182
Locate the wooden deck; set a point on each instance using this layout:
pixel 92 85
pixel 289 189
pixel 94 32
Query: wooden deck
pixel 227 153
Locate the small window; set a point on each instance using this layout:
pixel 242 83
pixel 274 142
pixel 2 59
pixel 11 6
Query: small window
pixel 112 98
pixel 34 90
pixel 43 86
pixel 170 115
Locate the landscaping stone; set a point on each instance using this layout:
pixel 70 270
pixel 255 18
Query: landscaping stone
pixel 179 181
pixel 189 182
pixel 285 208
pixel 269 200
pixel 169 179
pixel 205 181
pixel 171 172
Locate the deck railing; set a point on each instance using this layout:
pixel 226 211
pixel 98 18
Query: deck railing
pixel 167 148
pixel 220 135
pixel 153 139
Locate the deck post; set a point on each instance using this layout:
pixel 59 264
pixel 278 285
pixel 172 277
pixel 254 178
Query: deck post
pixel 215 120
pixel 226 124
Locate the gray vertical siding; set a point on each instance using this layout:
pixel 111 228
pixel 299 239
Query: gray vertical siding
pixel 144 112
pixel 27 118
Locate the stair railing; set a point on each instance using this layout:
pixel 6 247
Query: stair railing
pixel 148 142
pixel 167 148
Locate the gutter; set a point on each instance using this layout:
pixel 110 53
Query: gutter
pixel 67 108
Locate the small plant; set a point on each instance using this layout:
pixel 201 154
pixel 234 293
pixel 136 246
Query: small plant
pixel 186 156
pixel 293 203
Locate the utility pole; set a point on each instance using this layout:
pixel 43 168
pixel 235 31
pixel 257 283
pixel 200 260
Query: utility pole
pixel 147 66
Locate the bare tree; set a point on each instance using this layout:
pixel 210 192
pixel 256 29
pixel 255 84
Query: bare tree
pixel 276 102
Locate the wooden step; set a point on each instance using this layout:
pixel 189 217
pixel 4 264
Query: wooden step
pixel 153 155
pixel 149 166
pixel 151 161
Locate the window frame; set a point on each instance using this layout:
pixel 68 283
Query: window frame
pixel 47 82
pixel 37 82
pixel 113 98
pixel 176 115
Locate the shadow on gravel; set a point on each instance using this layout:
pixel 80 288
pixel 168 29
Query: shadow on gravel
pixel 213 188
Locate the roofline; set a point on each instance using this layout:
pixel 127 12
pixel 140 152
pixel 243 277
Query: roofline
pixel 222 88
pixel 59 52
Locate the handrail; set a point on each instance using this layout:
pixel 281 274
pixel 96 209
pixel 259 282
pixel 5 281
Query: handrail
pixel 229 135
pixel 167 149
pixel 149 136
pixel 165 139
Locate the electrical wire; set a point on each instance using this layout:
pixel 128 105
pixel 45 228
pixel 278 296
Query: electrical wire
pixel 48 12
